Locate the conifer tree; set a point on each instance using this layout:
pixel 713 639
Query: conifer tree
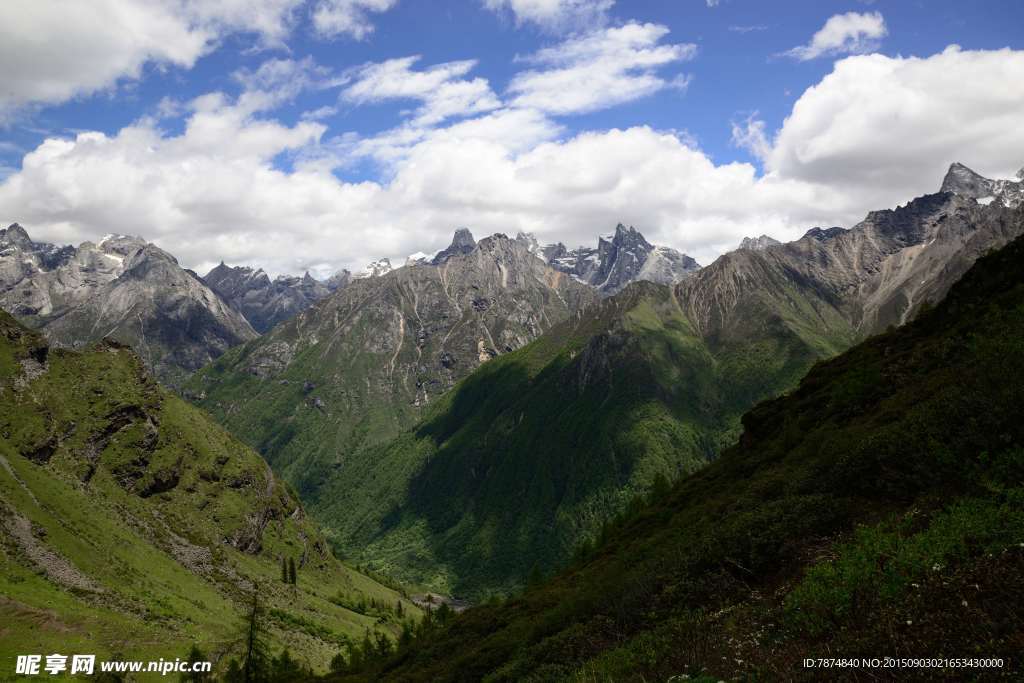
pixel 196 655
pixel 254 662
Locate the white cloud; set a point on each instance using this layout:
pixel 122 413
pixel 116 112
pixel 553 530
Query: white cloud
pixel 52 51
pixel 850 33
pixel 751 136
pixel 882 125
pixel 598 70
pixel 555 16
pixel 748 28
pixel 347 17
pixel 875 132
pixel 441 89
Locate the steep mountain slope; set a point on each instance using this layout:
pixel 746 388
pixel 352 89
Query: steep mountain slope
pixel 534 451
pixel 122 288
pixel 619 259
pixel 265 302
pixel 356 367
pixel 650 383
pixel 876 511
pixel 878 273
pixel 131 523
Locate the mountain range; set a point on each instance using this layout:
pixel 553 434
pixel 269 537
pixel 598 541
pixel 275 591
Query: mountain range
pixel 616 393
pixel 724 466
pixel 876 508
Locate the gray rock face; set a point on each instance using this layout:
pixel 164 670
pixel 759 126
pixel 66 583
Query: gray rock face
pixel 620 258
pixel 123 288
pixel 759 243
pixel 338 280
pixel 265 302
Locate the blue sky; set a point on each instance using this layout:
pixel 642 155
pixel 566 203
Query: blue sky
pixel 714 100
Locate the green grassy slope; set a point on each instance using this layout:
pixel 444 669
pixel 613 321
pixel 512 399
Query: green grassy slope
pixel 877 510
pixel 526 459
pixel 131 523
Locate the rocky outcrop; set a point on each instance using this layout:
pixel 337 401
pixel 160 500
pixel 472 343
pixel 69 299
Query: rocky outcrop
pixel 265 302
pixel 758 243
pixel 123 288
pixel 462 243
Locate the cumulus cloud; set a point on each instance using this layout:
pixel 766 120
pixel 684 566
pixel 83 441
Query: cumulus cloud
pixel 874 132
pixel 91 46
pixel 881 126
pixel 850 33
pixel 599 70
pixel 441 89
pixel 347 17
pixel 555 16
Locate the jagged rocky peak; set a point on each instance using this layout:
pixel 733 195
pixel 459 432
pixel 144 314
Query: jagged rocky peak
pixel 15 235
pixel 374 269
pixel 759 243
pixel 265 302
pixel 965 182
pixel 462 243
pixel 621 257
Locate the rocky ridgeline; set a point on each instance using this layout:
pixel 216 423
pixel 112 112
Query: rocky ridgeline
pixel 858 281
pixel 619 259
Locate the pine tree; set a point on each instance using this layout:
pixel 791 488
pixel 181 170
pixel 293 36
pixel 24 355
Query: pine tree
pixel 405 639
pixel 338 663
pixel 255 660
pixel 291 570
pixel 234 673
pixel 383 645
pixel 195 655
pixel 285 668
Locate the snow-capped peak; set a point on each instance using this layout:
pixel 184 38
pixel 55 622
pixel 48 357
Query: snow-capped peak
pixel 374 269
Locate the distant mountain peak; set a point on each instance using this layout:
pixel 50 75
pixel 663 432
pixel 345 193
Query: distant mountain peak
pixel 759 243
pixel 621 257
pixel 462 243
pixel 374 269
pixel 965 182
